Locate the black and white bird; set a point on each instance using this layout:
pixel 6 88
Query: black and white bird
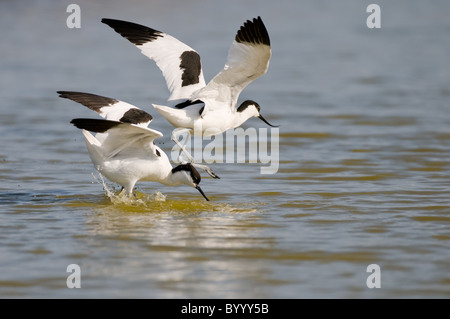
pixel 197 107
pixel 123 150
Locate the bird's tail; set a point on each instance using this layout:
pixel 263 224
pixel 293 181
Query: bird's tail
pixel 176 117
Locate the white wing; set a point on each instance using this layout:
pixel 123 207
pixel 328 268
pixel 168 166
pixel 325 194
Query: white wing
pixel 109 108
pixel 248 59
pixel 121 138
pixel 179 63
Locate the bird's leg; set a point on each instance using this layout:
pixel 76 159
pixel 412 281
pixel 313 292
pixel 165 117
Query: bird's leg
pixel 206 169
pixel 179 131
pixel 127 190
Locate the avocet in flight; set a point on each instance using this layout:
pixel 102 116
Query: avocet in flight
pixel 123 150
pixel 195 104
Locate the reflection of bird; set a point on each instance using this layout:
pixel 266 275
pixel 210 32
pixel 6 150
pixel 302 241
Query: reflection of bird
pixel 212 107
pixel 123 149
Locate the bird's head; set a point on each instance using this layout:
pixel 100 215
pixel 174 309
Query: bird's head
pixel 188 175
pixel 250 109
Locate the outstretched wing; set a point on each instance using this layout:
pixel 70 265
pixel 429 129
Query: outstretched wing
pixel 248 59
pixel 121 138
pixel 179 63
pixel 110 109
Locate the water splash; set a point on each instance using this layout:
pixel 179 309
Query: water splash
pixel 117 197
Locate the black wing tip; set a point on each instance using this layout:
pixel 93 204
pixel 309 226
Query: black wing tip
pixel 115 22
pixel 94 125
pixel 137 34
pixel 93 101
pixel 97 102
pixel 74 94
pixel 254 32
pixel 108 20
pixel 66 94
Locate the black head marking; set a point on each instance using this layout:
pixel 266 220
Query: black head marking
pixel 253 32
pixel 191 66
pixel 246 104
pixel 136 116
pixel 135 33
pixel 92 101
pixel 196 178
pixel 94 125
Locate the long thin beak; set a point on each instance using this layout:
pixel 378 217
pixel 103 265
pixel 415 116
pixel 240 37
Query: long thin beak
pixel 265 121
pixel 201 192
